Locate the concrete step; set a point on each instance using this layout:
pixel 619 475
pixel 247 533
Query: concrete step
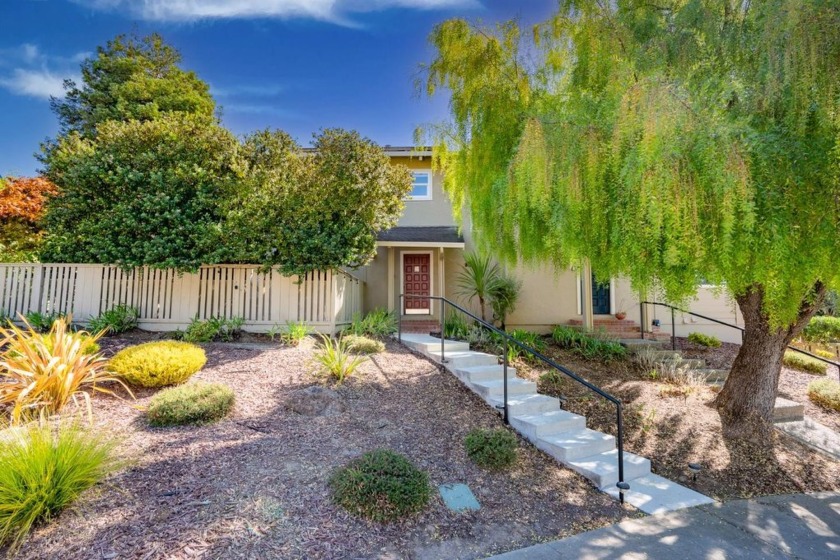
pixel 474 374
pixel 635 345
pixel 713 375
pixel 496 388
pixel 602 468
pixel 653 494
pixel 463 359
pixel 693 363
pixel 426 344
pixel 787 410
pixel 528 404
pixel 666 355
pixel 535 426
pixel 568 446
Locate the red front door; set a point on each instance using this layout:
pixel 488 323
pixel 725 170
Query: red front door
pixel 417 280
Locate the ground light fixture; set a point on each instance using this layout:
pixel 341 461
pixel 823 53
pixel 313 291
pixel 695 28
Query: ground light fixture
pixel 622 488
pixel 694 468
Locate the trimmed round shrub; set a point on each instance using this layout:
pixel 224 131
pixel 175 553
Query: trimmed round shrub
pixel 194 403
pixel 825 393
pixel 706 340
pixel 158 364
pixel 804 363
pixel 381 485
pixel 363 344
pixel 492 449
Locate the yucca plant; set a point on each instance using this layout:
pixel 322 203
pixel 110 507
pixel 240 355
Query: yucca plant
pixel 41 373
pixel 477 279
pixel 335 360
pixel 45 469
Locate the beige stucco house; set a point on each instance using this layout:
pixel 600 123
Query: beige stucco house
pixel 424 254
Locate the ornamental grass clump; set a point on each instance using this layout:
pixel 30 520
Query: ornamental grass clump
pixel 492 449
pixel 335 360
pixel 43 470
pixel 116 320
pixel 193 403
pixel 825 393
pixel 158 364
pixel 42 373
pixel 382 486
pixel 293 333
pixel 363 344
pixel 379 323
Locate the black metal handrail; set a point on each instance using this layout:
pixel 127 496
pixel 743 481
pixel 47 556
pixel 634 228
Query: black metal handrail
pixel 719 322
pixel 507 339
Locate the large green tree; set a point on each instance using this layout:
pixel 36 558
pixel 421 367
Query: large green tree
pixel 131 78
pixel 665 141
pixel 142 193
pixel 316 209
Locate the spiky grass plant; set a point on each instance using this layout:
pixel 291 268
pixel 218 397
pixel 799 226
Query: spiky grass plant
pixel 335 359
pixel 41 373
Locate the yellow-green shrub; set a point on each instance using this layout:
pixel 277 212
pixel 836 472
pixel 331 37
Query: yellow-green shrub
pixel 157 364
pixel 706 340
pixel 801 362
pixel 193 403
pixel 825 393
pixel 363 344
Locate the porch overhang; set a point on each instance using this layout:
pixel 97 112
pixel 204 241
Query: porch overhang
pixel 446 237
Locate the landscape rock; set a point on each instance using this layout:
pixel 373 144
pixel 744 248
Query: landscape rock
pixel 315 401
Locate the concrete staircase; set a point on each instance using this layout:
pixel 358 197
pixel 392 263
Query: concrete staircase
pixel 559 433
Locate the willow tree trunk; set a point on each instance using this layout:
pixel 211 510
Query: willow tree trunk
pixel 748 397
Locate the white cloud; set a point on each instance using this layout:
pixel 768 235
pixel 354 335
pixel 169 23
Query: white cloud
pixel 34 83
pixel 324 10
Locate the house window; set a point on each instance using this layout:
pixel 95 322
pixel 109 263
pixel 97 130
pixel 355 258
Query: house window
pixel 421 188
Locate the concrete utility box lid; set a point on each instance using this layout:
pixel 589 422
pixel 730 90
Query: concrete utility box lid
pixel 458 497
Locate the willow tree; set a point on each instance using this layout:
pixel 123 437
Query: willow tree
pixel 664 141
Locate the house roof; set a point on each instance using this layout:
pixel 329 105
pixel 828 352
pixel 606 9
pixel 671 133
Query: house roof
pixel 394 151
pixel 430 235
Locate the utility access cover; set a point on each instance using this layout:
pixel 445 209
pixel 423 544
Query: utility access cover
pixel 458 497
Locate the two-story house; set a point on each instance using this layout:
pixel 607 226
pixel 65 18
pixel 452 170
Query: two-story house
pixel 423 255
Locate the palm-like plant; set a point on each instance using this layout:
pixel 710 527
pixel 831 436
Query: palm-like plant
pixel 504 294
pixel 477 279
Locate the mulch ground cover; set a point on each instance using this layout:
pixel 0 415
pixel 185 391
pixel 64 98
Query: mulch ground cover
pixel 673 431
pixel 255 484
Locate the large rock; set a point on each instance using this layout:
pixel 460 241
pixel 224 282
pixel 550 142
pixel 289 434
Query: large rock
pixel 315 401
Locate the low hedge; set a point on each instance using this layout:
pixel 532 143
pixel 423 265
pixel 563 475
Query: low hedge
pixel 704 340
pixel 194 403
pixel 158 364
pixel 822 329
pixel 825 393
pixel 363 344
pixel 491 449
pixel 801 362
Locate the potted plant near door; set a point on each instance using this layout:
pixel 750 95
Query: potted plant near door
pixel 621 314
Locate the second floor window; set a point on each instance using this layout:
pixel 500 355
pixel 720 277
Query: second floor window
pixel 421 189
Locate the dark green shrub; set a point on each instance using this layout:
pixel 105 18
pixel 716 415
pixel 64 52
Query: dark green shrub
pixel 194 403
pixel 214 328
pixel 587 345
pixel 116 320
pixel 822 329
pixel 825 393
pixel 379 323
pixel 529 339
pixel 363 344
pixel 42 322
pixel 801 362
pixel 492 449
pixel 43 470
pixel 704 340
pixel 381 485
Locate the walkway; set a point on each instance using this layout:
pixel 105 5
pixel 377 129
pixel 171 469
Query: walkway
pixel 805 526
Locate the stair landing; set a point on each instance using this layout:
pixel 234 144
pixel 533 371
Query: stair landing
pixel 559 433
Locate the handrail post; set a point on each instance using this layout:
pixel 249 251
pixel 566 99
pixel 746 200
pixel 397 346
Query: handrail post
pixel 642 319
pixel 399 319
pixel 620 448
pixel 673 331
pixel 442 334
pixel 505 382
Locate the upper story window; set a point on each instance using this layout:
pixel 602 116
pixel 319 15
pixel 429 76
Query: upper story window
pixel 421 189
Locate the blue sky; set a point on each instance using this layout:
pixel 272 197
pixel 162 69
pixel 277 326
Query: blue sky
pixel 298 65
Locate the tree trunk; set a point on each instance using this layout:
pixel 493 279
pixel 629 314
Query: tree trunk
pixel 748 397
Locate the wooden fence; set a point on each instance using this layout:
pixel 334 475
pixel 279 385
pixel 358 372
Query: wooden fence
pixel 169 300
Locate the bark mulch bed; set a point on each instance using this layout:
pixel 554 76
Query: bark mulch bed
pixel 673 431
pixel 255 485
